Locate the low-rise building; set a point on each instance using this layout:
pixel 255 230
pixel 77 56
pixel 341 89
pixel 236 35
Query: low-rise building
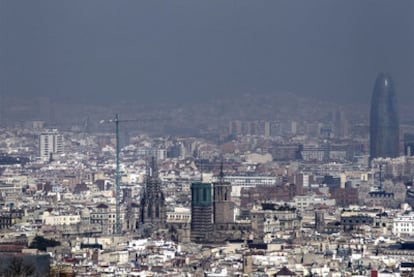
pixel 403 224
pixel 55 220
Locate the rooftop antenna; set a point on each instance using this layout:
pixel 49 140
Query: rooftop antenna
pixel 380 177
pixel 201 170
pixel 221 174
pixel 2 105
pixel 118 188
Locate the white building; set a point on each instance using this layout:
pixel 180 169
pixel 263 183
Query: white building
pixel 239 182
pixel 51 145
pixel 303 202
pixel 403 224
pixel 179 215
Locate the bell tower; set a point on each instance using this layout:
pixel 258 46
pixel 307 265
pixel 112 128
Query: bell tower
pixel 223 205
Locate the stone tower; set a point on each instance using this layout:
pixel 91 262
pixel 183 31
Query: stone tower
pixel 152 198
pixel 223 205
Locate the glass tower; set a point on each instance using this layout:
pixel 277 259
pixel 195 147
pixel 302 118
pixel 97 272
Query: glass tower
pixel 384 122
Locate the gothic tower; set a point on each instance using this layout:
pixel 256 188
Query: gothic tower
pixel 223 206
pixel 152 198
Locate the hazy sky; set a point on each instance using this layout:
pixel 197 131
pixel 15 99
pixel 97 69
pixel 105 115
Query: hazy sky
pixel 99 50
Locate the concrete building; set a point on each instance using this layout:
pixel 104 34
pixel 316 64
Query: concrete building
pixel 178 224
pixel 201 212
pixel 239 182
pixel 403 225
pixel 303 202
pixel 50 145
pixel 179 215
pixel 54 220
pixel 104 215
pixel 269 219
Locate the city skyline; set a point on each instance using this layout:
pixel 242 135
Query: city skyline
pixel 251 138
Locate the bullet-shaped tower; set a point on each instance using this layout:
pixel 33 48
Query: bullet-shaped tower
pixel 384 119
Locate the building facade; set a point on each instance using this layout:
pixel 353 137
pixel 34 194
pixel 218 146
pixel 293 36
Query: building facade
pixel 201 212
pixel 270 218
pixel 104 215
pixel 403 225
pixel 50 145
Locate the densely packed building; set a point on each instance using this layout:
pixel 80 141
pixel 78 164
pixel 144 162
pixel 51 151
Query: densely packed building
pixel 262 198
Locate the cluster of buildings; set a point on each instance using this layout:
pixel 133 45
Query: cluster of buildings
pixel 262 198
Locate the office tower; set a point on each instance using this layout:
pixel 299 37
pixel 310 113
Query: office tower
pixel 293 127
pixel 201 212
pixel 50 145
pixel 384 122
pixel 267 129
pixel 339 124
pixel 153 211
pixel 223 206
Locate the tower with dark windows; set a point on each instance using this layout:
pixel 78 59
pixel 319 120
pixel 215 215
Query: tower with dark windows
pixel 384 119
pixel 153 211
pixel 212 213
pixel 201 212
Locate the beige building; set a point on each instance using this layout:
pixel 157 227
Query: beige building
pixel 268 219
pixel 179 215
pixel 105 216
pixel 56 220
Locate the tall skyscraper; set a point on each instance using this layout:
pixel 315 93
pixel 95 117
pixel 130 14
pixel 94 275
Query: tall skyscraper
pixel 384 119
pixel 50 145
pixel 153 211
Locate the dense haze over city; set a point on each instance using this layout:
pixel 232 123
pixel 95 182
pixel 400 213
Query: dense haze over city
pixel 191 51
pixel 207 138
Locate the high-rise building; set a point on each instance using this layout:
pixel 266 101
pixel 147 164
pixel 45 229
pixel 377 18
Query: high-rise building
pixel 50 145
pixel 153 211
pixel 201 212
pixel 339 124
pixel 384 119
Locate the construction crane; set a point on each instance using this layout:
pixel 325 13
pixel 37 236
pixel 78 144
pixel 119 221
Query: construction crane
pixel 116 120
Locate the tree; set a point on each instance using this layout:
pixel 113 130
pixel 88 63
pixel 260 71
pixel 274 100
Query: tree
pixel 42 243
pixel 18 268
